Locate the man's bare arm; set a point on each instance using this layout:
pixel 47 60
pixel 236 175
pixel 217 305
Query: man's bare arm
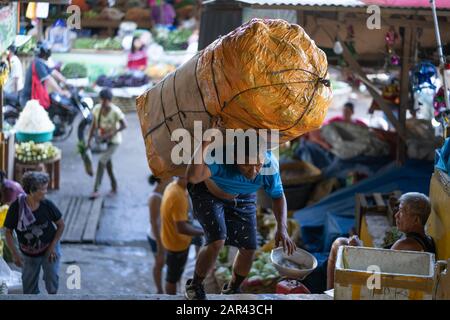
pixel 198 172
pixel 184 227
pixel 407 245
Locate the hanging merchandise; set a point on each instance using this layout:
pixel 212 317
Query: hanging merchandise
pixel 424 76
pixel 31 11
pixel 391 39
pixel 439 102
pixel 390 93
pixel 348 73
pixel 337 48
pixel 423 84
pixel 350 40
pixel 42 9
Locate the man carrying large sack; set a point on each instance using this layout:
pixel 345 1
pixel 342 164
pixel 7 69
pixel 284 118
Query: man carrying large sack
pixel 224 201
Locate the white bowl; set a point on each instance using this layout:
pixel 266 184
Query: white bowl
pixel 300 256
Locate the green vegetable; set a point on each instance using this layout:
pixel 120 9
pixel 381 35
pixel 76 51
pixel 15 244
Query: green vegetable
pixel 28 47
pixel 74 70
pixel 98 44
pixel 255 278
pixel 35 152
pixel 91 14
pixel 392 236
pixel 174 40
pixel 223 255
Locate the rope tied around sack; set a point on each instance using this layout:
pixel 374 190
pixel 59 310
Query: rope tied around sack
pixel 318 81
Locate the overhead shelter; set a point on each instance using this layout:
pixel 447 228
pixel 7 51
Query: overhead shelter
pixel 322 18
pixel 327 21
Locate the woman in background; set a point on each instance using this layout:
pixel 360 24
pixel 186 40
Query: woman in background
pixel 9 190
pixel 39 225
pixel 137 58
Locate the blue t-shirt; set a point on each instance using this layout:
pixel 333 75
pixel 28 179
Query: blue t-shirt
pixel 43 72
pixel 228 178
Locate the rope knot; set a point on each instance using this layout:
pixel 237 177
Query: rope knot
pixel 325 82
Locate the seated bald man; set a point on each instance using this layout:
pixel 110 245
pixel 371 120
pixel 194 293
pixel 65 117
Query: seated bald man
pixel 411 217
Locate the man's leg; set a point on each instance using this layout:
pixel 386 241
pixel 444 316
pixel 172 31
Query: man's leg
pixel 241 226
pixel 30 274
pixel 209 212
pixel 176 261
pixel 241 267
pixel 51 272
pixel 206 260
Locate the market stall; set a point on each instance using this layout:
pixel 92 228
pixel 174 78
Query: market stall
pixel 8 24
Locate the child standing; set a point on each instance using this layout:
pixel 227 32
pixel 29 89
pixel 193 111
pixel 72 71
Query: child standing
pixel 176 231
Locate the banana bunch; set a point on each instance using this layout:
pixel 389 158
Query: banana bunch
pixel 4 73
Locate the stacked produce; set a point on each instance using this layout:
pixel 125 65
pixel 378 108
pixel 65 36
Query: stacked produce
pixel 28 47
pixel 90 14
pixel 261 279
pixel 267 227
pixel 34 119
pixel 97 44
pixel 391 237
pixel 160 70
pixel 173 40
pixel 74 70
pixel 138 14
pixel 36 152
pixel 125 80
pixel 111 14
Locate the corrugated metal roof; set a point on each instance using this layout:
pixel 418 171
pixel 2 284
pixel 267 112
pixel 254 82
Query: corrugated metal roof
pixel 343 3
pixel 328 3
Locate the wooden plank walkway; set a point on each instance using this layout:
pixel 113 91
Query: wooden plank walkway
pixel 81 217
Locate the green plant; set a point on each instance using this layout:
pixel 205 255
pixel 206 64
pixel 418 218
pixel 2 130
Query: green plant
pixel 74 70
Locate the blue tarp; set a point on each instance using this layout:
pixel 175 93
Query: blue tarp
pixel 332 166
pixel 443 157
pixel 334 215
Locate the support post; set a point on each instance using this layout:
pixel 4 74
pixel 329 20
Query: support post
pixel 408 41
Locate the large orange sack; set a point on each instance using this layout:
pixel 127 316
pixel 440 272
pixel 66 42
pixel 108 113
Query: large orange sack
pixel 266 74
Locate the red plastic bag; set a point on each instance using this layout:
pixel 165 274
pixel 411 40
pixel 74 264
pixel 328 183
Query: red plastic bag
pixel 38 90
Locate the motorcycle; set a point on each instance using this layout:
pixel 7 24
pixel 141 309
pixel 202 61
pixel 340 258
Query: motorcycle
pixel 62 113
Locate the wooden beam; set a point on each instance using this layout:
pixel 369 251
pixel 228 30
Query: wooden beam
pixel 408 43
pixel 301 18
pixel 384 105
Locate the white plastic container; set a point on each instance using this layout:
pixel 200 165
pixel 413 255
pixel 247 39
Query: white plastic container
pixel 379 274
